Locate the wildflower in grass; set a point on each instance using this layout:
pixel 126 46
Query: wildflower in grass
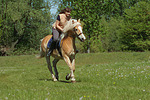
pixel 46 99
pixel 48 93
pixel 142 71
pixel 114 83
pixel 81 98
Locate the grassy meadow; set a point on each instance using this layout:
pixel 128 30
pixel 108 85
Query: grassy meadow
pixel 99 76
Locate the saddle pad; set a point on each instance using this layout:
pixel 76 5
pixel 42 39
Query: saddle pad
pixel 57 45
pixel 49 43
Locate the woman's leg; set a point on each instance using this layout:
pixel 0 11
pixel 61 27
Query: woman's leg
pixel 55 34
pixel 54 40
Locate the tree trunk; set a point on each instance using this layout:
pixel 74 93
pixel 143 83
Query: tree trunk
pixel 88 49
pixel 88 46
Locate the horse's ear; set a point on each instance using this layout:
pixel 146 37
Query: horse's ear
pixel 79 20
pixel 72 21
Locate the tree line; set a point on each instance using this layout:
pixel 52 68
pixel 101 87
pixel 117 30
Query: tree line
pixel 109 25
pixel 113 25
pixel 23 23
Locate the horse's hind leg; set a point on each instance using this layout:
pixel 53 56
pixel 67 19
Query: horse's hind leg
pixel 50 67
pixel 55 68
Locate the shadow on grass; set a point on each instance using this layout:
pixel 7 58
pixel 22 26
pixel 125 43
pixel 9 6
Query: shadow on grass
pixel 45 79
pixel 63 81
pixel 53 81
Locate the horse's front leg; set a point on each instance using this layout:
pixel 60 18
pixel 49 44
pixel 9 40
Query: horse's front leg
pixel 72 68
pixel 50 67
pixel 73 64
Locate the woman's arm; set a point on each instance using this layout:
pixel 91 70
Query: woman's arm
pixel 58 24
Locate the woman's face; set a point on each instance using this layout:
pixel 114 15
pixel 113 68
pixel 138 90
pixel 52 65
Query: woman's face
pixel 67 13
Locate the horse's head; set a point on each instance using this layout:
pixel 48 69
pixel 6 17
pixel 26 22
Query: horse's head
pixel 78 30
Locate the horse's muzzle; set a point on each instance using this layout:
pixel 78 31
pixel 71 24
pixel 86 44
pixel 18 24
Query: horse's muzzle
pixel 82 39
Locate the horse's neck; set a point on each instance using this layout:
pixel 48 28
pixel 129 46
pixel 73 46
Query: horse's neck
pixel 70 34
pixel 70 40
pixel 70 37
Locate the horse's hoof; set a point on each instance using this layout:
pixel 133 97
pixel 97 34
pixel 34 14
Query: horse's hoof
pixel 73 81
pixel 68 77
pixel 55 80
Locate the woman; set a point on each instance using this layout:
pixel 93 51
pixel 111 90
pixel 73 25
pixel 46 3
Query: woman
pixel 58 26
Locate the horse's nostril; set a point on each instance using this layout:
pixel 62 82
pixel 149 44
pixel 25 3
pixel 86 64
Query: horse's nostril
pixel 82 39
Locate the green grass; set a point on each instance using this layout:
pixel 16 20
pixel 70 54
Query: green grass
pixel 100 76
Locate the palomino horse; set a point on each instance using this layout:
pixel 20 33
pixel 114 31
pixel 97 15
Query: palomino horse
pixel 72 29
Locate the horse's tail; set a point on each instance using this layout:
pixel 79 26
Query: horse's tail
pixel 42 54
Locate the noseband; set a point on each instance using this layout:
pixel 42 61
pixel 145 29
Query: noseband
pixel 79 34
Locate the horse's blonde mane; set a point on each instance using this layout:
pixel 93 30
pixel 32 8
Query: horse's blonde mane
pixel 70 25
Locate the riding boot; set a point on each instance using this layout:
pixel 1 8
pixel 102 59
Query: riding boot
pixel 52 46
pixel 58 47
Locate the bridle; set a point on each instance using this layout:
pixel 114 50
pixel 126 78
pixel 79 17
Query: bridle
pixel 78 34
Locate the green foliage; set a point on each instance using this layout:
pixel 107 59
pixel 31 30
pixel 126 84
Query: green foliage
pixel 81 10
pixel 23 51
pixel 109 25
pixel 111 34
pixel 25 22
pixel 0 28
pixel 136 35
pixel 112 25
